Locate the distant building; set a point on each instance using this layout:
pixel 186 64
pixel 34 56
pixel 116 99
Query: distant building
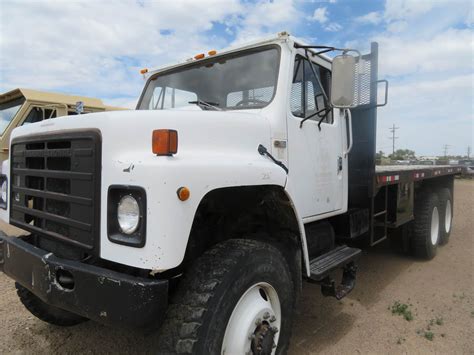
pixel 426 157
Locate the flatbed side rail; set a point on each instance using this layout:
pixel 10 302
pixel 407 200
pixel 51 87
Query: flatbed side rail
pixel 390 175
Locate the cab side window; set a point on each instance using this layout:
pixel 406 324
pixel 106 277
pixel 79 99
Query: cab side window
pixel 307 96
pixel 168 97
pixel 38 114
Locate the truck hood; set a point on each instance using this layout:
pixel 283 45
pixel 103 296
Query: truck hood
pixel 224 132
pixel 216 150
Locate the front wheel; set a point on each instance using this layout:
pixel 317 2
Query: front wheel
pixel 237 298
pixel 46 312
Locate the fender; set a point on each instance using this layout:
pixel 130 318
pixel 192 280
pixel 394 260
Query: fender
pixel 304 245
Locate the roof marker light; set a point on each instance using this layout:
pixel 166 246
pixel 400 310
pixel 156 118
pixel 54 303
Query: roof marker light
pixel 199 56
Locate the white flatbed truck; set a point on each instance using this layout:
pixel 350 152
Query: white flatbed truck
pixel 241 175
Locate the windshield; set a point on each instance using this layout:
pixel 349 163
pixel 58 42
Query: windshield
pixel 8 110
pixel 238 81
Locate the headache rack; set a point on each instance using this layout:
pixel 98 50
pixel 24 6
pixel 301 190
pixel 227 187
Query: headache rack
pixel 55 187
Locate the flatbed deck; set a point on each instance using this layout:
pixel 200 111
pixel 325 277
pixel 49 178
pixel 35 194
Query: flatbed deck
pixel 394 174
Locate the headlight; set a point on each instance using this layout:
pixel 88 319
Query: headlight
pixel 128 214
pixel 4 192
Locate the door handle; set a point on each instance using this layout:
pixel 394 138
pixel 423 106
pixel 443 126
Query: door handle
pixel 339 164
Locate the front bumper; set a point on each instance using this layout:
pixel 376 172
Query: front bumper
pixel 96 293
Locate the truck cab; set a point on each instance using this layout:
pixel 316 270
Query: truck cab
pixel 241 174
pixel 25 106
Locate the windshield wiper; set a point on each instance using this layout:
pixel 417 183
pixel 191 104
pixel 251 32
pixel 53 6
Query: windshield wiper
pixel 207 104
pixel 263 151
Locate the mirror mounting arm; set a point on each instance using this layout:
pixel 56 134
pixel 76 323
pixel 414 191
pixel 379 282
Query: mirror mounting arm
pixel 324 116
pixel 316 76
pixel 326 112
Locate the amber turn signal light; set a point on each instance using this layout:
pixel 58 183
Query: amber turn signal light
pixel 183 193
pixel 165 142
pixel 199 56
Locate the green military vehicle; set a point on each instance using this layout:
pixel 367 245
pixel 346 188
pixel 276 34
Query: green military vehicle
pixel 24 106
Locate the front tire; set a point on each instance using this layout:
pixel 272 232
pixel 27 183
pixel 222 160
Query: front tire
pixel 426 227
pixel 46 312
pixel 237 298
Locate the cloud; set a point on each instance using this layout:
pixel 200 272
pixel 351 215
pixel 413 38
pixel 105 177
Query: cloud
pixel 264 17
pixel 333 27
pixel 97 48
pixel 405 9
pixel 90 48
pixel 444 54
pixel 373 18
pixel 125 102
pixel 427 17
pixel 430 113
pixel 431 75
pixel 320 15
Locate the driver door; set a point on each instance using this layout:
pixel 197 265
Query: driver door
pixel 316 162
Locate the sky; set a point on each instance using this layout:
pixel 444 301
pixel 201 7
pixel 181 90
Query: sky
pixel 96 48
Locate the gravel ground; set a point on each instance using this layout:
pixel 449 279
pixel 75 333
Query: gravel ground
pixel 439 293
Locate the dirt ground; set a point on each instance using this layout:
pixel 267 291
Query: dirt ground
pixel 440 292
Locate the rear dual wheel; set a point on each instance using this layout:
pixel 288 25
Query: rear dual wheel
pixel 446 214
pixel 426 227
pixel 433 222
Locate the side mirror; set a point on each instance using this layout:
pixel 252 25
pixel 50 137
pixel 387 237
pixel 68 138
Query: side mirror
pixel 343 82
pixel 79 107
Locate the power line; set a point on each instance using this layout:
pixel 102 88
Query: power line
pixel 445 149
pixel 392 130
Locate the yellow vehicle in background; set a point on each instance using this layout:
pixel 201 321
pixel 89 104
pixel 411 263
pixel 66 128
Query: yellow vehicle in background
pixel 24 106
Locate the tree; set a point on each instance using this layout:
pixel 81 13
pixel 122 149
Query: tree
pixel 403 154
pixel 379 157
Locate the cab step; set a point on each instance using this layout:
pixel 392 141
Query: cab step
pixel 322 266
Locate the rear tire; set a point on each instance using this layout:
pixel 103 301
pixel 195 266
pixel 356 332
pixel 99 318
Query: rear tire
pixel 46 312
pixel 446 215
pixel 426 227
pixel 224 295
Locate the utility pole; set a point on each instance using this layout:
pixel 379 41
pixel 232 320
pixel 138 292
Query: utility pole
pixel 468 151
pixel 445 148
pixel 392 130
